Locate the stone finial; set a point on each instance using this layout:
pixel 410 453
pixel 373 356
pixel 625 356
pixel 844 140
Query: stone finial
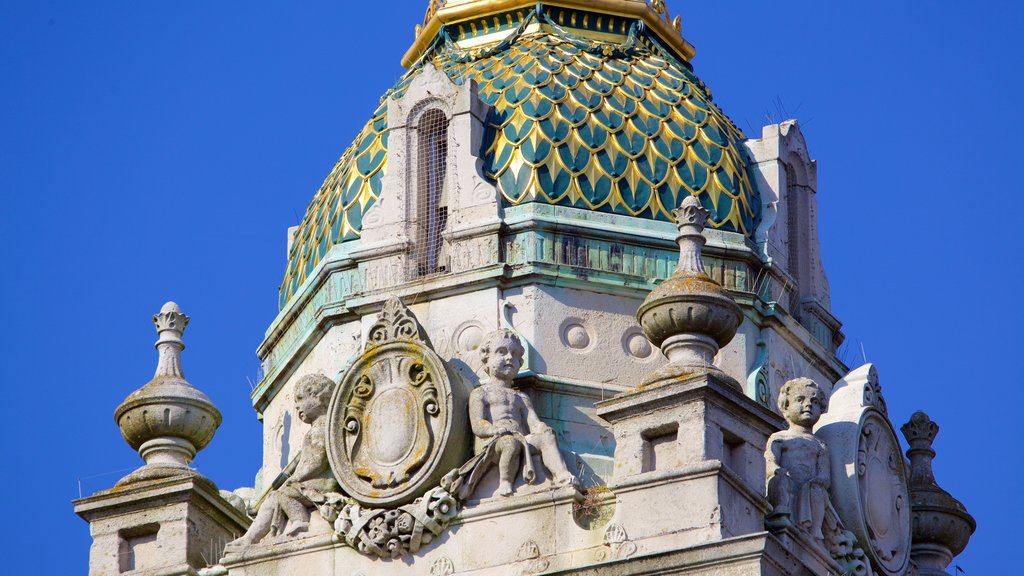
pixel 168 420
pixel 691 217
pixel 170 325
pixel 941 525
pixel 689 315
pixel 920 432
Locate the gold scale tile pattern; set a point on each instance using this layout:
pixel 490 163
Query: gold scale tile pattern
pixel 626 131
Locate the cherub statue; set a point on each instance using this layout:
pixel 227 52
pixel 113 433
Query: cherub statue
pixel 504 421
pixel 286 509
pixel 798 468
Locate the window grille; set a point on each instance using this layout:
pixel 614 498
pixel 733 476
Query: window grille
pixel 429 256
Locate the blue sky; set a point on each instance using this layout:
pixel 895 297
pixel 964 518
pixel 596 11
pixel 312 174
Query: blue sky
pixel 159 150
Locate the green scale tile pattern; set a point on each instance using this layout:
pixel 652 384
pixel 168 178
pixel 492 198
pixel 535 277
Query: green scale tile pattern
pixel 625 129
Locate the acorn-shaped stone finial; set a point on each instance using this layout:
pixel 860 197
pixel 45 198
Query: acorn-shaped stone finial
pixel 168 420
pixel 689 315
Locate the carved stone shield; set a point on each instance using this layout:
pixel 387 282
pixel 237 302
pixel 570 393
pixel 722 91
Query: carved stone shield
pixel 396 422
pixel 869 482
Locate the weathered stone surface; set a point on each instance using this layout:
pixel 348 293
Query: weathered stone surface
pixel 397 423
pixel 760 554
pixel 674 475
pixel 688 455
pixel 168 526
pixel 168 420
pixel 689 315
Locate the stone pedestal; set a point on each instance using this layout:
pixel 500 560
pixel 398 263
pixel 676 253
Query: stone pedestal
pixel 689 464
pixel 166 527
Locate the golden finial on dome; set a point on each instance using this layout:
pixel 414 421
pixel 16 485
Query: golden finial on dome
pixel 654 13
pixel 432 9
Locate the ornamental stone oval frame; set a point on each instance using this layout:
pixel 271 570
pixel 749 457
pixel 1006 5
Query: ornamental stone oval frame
pixel 396 422
pixel 869 480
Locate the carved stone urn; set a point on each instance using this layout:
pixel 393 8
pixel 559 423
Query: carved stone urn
pixel 941 526
pixel 168 420
pixel 689 315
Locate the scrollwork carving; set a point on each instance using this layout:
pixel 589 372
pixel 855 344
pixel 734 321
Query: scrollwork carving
pixel 395 323
pixel 618 543
pixel 879 471
pixel 528 560
pixel 842 547
pixel 394 414
pixel 443 566
pixel 393 532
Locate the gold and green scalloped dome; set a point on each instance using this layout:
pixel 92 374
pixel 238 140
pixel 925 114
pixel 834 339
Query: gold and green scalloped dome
pixel 618 124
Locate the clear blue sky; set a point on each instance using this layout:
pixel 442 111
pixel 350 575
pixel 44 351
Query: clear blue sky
pixel 159 150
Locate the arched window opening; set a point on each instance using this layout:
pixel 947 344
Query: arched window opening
pixel 431 213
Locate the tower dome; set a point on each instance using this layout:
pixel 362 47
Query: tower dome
pixel 592 105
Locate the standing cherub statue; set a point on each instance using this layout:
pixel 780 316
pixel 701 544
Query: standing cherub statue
pixel 798 462
pixel 503 419
pixel 286 509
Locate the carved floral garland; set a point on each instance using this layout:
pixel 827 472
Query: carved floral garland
pixel 391 533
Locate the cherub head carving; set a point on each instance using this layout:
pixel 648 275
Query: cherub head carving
pixel 501 353
pixel 312 396
pixel 802 402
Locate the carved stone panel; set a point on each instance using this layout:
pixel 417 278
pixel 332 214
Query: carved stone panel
pixel 869 480
pixel 397 424
pixel 881 479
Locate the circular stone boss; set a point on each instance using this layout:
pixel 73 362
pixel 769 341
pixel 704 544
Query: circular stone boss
pixel 396 425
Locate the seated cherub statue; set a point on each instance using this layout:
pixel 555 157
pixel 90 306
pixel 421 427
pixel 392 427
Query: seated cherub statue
pixel 798 468
pixel 285 511
pixel 504 421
